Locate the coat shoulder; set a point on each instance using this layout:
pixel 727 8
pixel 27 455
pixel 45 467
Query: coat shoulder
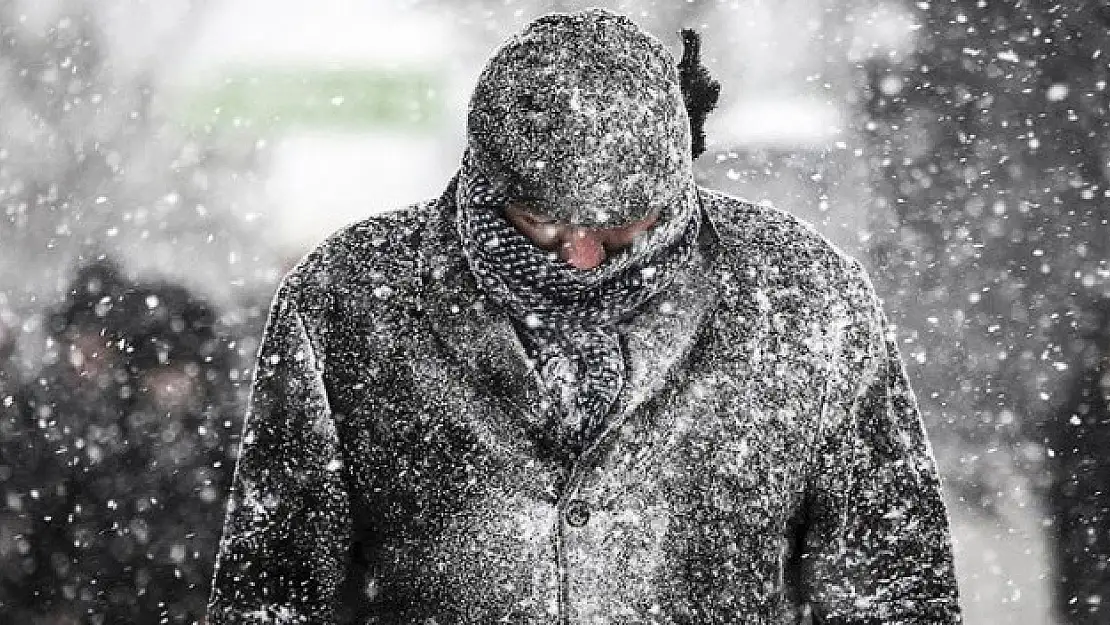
pixel 365 279
pixel 379 252
pixel 782 248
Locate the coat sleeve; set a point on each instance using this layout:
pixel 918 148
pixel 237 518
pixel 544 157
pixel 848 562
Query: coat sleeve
pixel 287 530
pixel 876 546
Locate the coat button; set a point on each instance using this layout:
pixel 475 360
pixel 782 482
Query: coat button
pixel 577 514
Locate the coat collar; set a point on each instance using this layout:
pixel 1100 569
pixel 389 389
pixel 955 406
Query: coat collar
pixel 480 337
pixel 659 342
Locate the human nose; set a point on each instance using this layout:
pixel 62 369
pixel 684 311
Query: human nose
pixel 582 248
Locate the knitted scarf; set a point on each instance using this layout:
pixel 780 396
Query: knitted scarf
pixel 568 316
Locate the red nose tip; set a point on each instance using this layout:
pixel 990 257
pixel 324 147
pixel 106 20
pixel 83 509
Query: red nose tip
pixel 582 251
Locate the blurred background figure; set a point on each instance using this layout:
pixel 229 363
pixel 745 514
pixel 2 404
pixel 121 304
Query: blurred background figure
pixel 14 437
pixel 1080 502
pixel 124 441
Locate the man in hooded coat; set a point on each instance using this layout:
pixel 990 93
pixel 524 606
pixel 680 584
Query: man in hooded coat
pixel 579 388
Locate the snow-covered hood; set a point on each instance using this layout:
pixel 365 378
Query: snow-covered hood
pixel 582 115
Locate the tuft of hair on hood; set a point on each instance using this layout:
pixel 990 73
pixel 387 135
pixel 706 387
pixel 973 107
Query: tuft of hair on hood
pixel 582 116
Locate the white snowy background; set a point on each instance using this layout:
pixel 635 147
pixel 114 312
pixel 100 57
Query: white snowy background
pixel 212 143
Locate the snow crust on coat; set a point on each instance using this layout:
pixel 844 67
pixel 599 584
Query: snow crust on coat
pixel 779 472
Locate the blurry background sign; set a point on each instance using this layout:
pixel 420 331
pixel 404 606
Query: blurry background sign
pixel 348 95
pixel 340 99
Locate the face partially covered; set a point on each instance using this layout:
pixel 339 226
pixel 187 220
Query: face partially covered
pixel 579 134
pixel 581 247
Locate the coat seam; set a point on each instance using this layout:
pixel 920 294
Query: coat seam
pixel 868 375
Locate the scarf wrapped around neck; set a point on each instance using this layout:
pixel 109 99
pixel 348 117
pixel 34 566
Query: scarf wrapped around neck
pixel 568 316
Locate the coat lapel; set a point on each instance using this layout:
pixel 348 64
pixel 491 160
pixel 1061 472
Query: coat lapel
pixel 659 341
pixel 477 335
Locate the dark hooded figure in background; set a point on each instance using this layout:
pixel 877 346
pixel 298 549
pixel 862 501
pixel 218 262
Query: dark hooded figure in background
pixel 579 388
pixel 111 473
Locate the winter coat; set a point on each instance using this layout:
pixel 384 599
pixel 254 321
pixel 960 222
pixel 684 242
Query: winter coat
pixel 766 462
